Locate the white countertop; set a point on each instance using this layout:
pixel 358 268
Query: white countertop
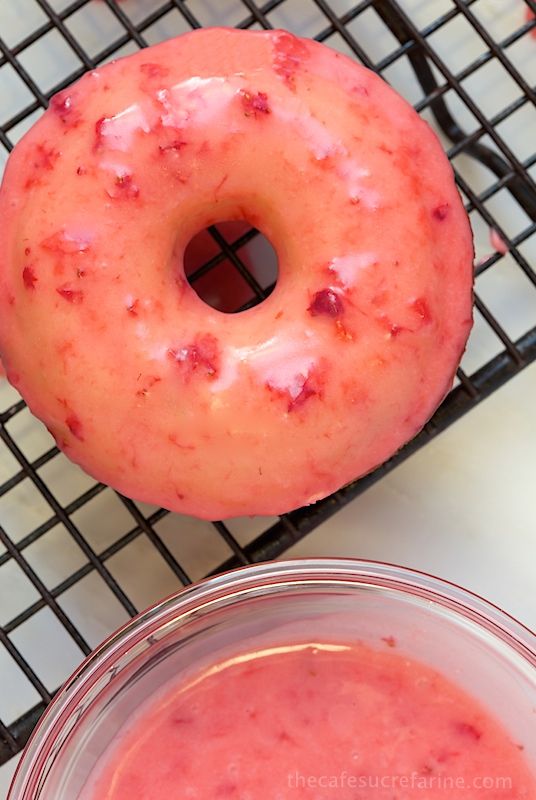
pixel 462 508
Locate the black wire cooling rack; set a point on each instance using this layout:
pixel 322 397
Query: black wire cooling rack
pixel 488 165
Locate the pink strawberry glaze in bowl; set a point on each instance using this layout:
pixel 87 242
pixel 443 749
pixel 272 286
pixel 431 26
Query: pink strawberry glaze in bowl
pixel 473 644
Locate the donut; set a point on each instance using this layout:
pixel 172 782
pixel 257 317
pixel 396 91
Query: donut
pixel 178 404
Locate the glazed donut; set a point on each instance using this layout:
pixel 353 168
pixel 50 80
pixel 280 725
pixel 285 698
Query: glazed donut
pixel 173 402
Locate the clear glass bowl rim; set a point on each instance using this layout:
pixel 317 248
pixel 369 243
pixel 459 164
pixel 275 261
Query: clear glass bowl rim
pixel 293 572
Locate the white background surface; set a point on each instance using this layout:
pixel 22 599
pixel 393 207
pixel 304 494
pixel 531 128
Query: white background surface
pixel 463 508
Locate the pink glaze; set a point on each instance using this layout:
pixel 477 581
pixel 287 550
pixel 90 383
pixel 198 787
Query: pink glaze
pixel 177 403
pixel 308 722
pixel 497 242
pixel 529 16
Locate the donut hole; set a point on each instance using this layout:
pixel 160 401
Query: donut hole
pixel 231 266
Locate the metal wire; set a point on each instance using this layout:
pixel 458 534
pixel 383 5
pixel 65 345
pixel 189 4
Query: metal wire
pixel 511 174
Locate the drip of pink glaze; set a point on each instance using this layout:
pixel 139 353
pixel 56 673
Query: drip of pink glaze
pixel 529 17
pixel 483 260
pixel 497 242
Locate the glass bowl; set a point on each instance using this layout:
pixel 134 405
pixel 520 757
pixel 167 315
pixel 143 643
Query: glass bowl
pixel 476 645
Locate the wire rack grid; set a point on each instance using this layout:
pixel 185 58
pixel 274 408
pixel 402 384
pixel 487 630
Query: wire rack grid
pixel 470 70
